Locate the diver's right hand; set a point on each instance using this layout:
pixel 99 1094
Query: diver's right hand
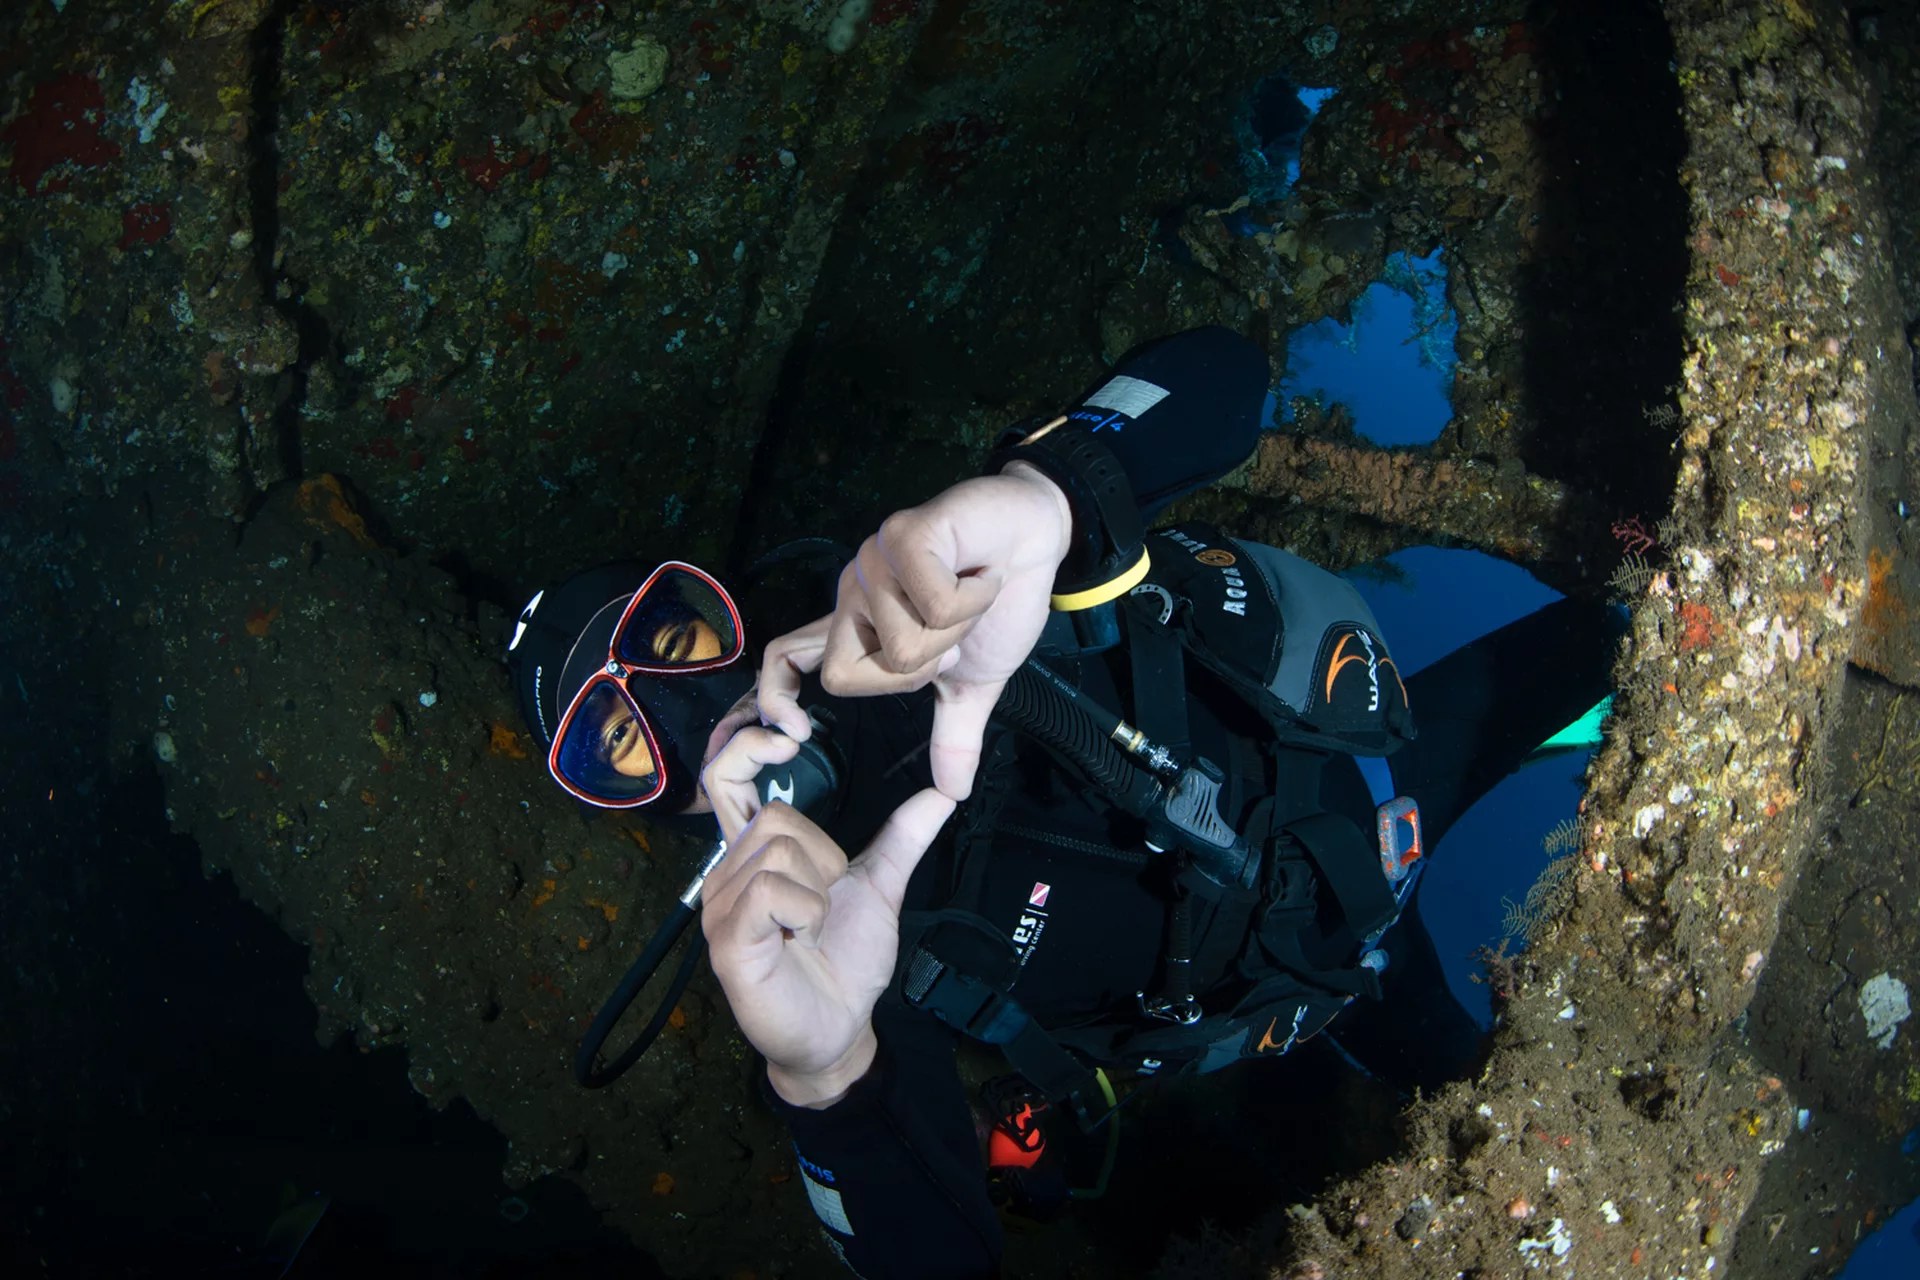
pixel 802 939
pixel 953 593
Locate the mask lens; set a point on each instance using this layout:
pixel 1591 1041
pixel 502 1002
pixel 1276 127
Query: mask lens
pixel 605 748
pixel 682 619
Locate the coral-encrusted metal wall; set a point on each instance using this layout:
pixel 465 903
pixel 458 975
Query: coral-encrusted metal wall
pixel 1624 1125
pixel 524 270
pixel 329 328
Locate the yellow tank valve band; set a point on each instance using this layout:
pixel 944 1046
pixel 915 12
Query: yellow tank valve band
pixel 1113 589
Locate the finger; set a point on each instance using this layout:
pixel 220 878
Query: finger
pixel 728 778
pixel 851 667
pixel 890 859
pixel 739 715
pixel 780 821
pixel 946 596
pixel 778 834
pixel 863 676
pixel 922 599
pixel 906 642
pixel 767 908
pixel 921 550
pixel 814 861
pixel 787 660
pixel 959 725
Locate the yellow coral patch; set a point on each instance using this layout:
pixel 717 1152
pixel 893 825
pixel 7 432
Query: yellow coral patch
pixel 323 499
pixel 502 741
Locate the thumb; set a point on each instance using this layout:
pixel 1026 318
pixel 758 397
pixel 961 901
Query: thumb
pixel 959 726
pixel 890 859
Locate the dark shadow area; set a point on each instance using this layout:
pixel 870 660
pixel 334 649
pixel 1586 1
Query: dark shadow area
pixel 761 523
pixel 1609 259
pixel 264 178
pixel 1851 914
pixel 1278 117
pixel 963 280
pixel 164 1097
pixel 476 587
pixel 1225 1149
pixel 1275 122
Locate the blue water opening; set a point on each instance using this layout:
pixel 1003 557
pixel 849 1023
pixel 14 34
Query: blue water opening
pixel 1891 1252
pixel 1393 366
pixel 1496 849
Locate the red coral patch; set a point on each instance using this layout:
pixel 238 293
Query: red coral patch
pixel 401 404
pixel 1698 629
pixel 487 169
pixel 61 125
pixel 145 224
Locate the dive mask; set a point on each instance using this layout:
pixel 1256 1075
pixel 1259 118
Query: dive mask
pixel 625 733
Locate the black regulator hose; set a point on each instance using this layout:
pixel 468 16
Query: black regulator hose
pixel 1040 703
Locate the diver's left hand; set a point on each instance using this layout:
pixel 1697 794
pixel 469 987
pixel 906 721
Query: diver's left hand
pixel 775 697
pixel 804 940
pixel 744 712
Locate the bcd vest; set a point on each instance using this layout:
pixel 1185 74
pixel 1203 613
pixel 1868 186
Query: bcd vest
pixel 1255 955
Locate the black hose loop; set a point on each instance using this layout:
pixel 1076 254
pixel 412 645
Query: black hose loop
pixel 585 1070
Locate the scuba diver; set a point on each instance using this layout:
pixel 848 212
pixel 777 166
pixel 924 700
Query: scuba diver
pixel 1192 805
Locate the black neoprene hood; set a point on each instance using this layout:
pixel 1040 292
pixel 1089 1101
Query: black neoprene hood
pixel 561 638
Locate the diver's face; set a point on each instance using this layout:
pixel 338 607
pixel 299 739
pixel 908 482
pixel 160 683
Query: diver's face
pixel 622 744
pixel 688 642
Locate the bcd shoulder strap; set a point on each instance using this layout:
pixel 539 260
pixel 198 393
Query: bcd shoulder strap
pixel 930 976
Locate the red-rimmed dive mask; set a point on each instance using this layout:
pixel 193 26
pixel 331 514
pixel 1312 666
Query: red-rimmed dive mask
pixel 631 725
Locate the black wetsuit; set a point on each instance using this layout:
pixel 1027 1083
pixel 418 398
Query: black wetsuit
pixel 894 1170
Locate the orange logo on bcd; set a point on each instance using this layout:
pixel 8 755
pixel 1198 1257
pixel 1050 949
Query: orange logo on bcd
pixel 1215 558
